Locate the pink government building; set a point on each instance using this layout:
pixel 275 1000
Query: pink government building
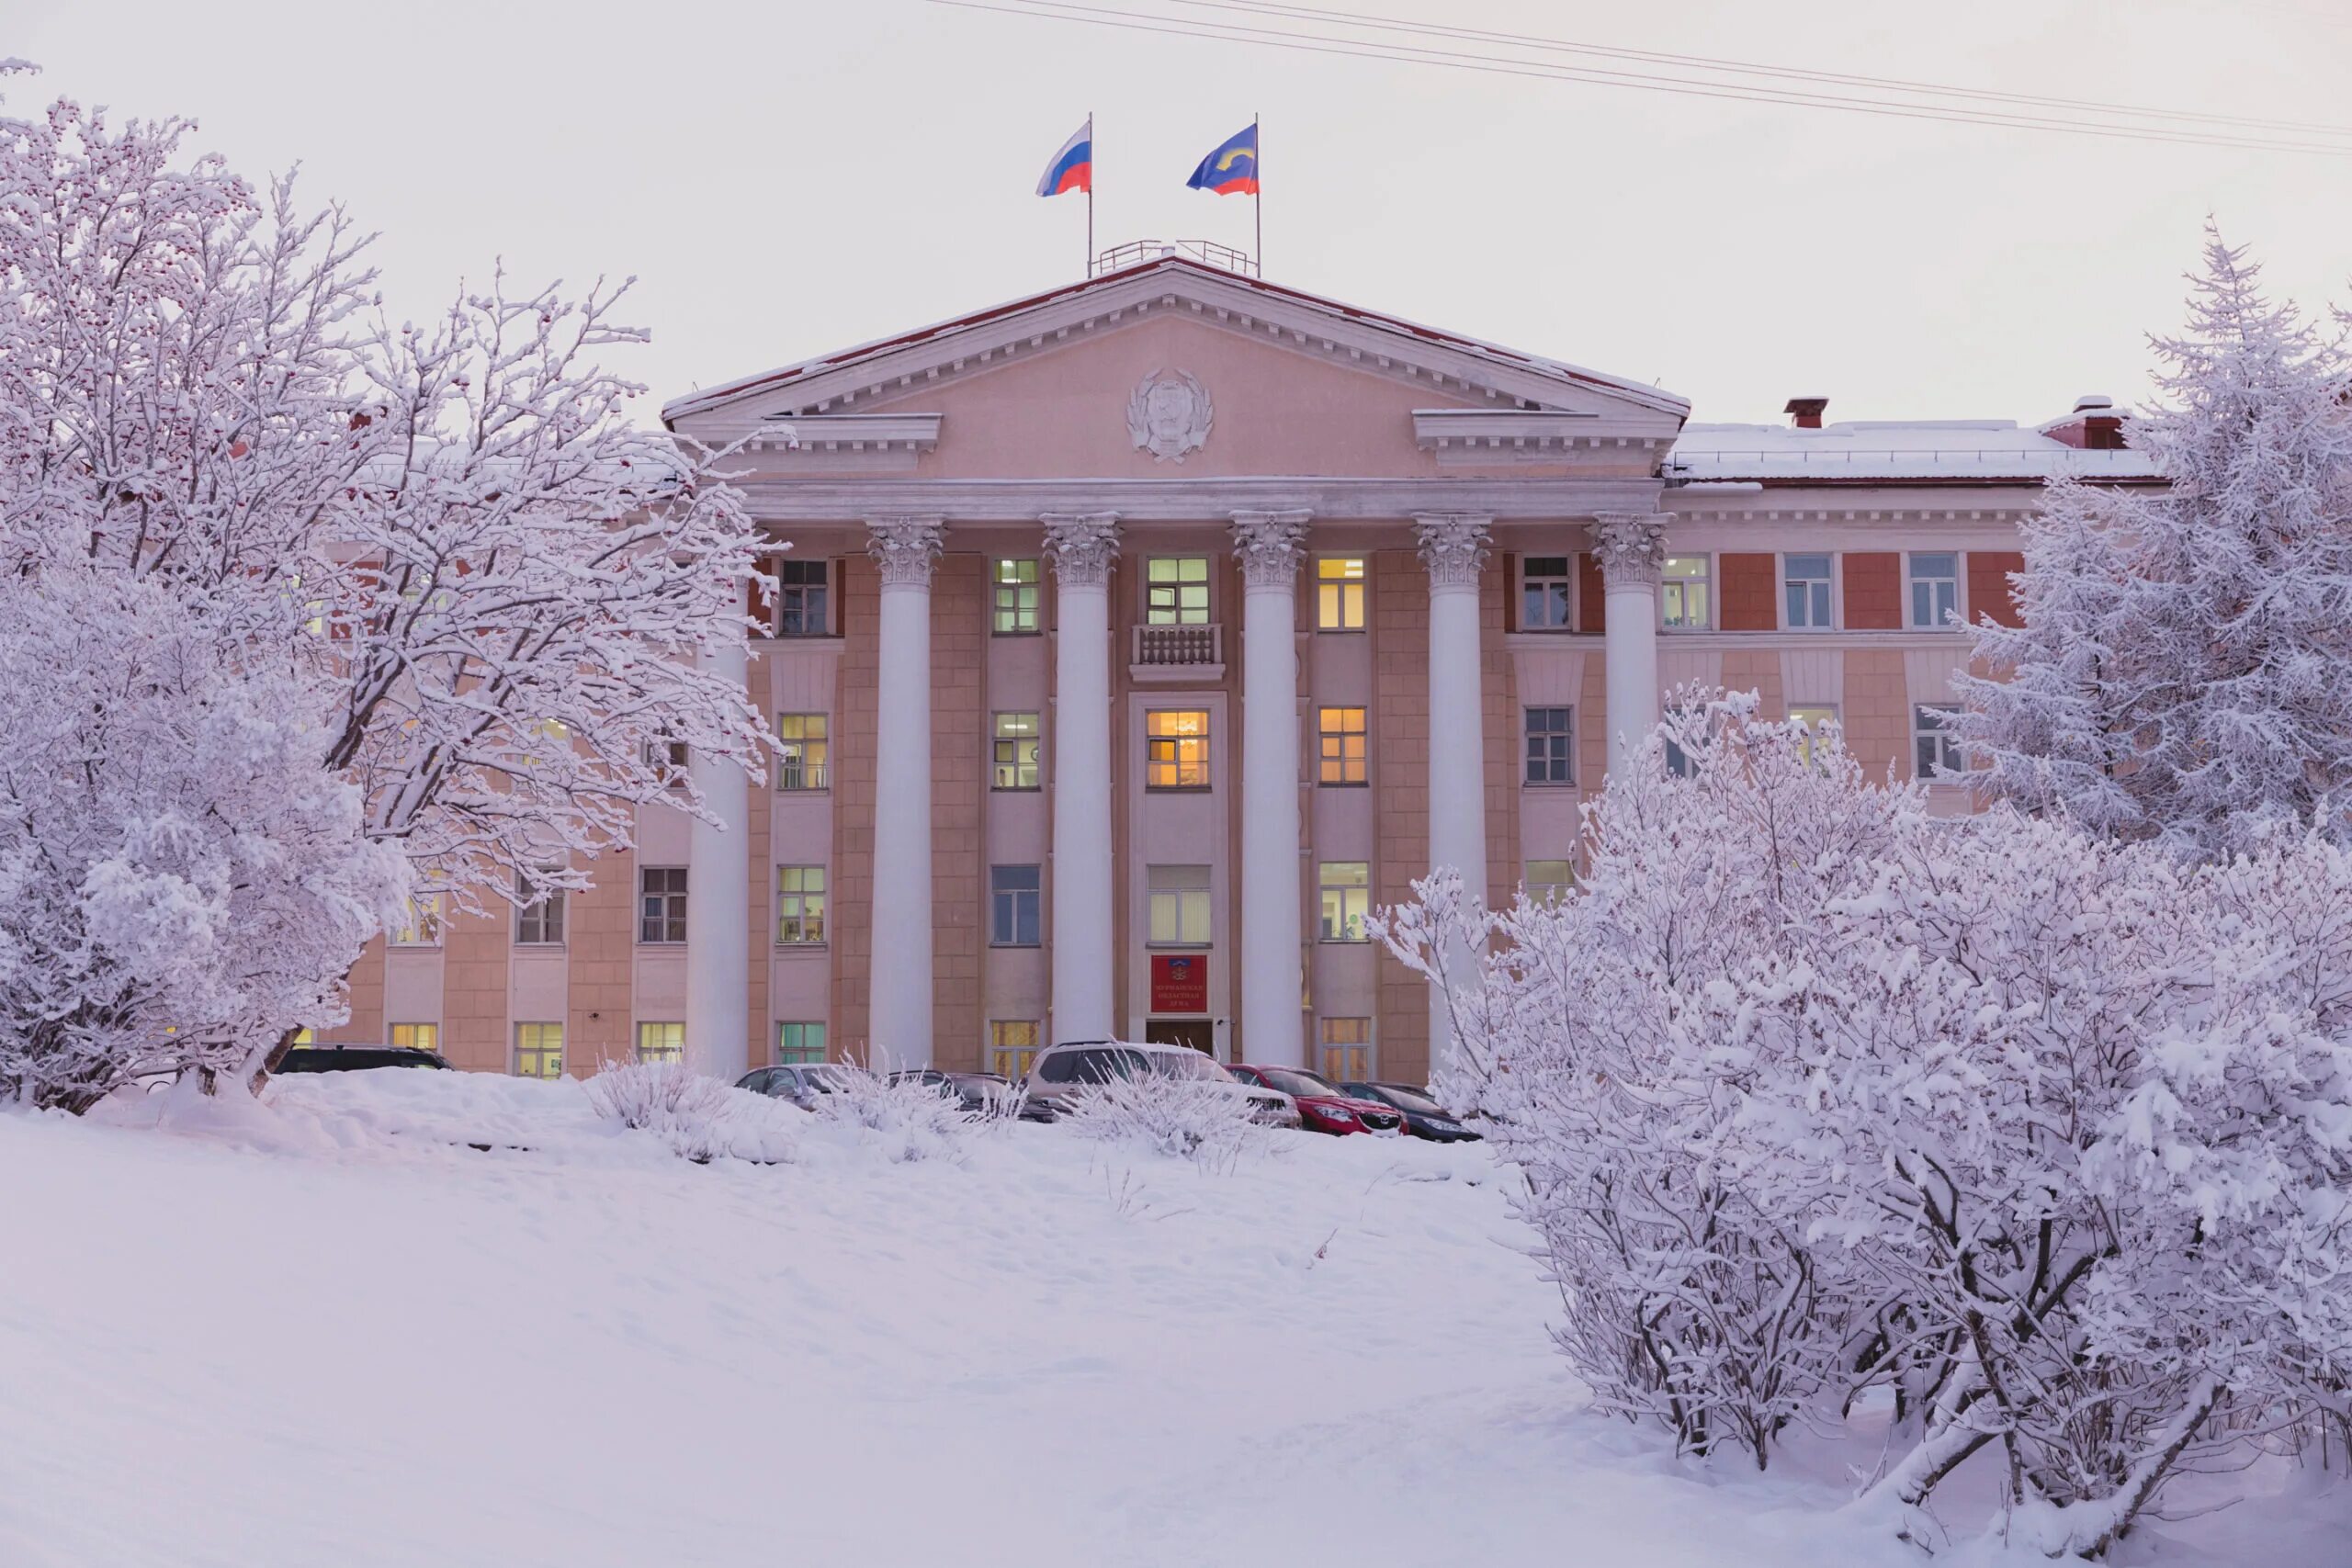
pixel 1136 638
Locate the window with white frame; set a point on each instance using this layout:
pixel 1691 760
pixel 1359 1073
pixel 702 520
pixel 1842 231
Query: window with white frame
pixel 1685 593
pixel 1013 906
pixel 1346 889
pixel 1549 879
pixel 1178 901
pixel 800 599
pixel 662 1041
pixel 1347 1048
pixel 1934 588
pixel 799 905
pixel 1341 735
pixel 420 922
pixel 1017 597
pixel 662 903
pixel 803 749
pixel 1013 1045
pixel 1338 594
pixel 1176 591
pixel 539 1050
pixel 1815 719
pixel 798 1044
pixel 1015 752
pixel 539 913
pixel 1547 593
pixel 1933 749
pixel 1804 593
pixel 1551 745
pixel 416 1036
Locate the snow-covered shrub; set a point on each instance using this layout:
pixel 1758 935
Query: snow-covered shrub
pixel 701 1118
pixel 1207 1121
pixel 2048 1134
pixel 181 882
pixel 912 1120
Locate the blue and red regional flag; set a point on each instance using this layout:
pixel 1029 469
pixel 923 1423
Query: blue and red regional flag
pixel 1232 169
pixel 1073 167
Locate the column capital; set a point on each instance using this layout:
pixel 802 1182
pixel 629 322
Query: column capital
pixel 904 548
pixel 1081 544
pixel 1453 546
pixel 1270 544
pixel 1629 547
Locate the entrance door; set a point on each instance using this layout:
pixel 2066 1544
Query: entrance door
pixel 1194 1031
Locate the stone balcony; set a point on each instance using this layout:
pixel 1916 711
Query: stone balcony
pixel 1192 653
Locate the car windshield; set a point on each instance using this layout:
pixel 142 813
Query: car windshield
pixel 1412 1099
pixel 1293 1081
pixel 827 1078
pixel 1186 1064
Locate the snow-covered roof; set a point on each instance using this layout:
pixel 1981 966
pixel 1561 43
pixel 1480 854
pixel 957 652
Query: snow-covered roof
pixel 1868 449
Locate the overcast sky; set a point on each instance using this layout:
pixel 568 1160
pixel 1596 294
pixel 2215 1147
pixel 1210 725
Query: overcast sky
pixel 790 177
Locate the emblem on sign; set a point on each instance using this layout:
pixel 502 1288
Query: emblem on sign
pixel 1169 415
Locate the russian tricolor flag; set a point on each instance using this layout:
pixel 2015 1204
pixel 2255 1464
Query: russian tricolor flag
pixel 1073 167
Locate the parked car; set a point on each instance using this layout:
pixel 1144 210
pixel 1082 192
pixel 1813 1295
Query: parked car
pixel 1424 1117
pixel 1060 1070
pixel 971 1091
pixel 800 1083
pixel 1322 1106
pixel 332 1058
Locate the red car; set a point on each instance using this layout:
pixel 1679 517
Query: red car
pixel 1322 1107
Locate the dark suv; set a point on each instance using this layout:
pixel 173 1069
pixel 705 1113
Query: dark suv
pixel 355 1058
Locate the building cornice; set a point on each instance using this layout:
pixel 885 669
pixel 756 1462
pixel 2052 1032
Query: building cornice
pixel 1158 499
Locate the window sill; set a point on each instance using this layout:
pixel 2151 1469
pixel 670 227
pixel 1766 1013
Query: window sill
pixel 1016 789
pixel 1032 631
pixel 1199 947
pixel 1342 783
pixel 1179 789
pixel 1338 631
pixel 817 946
pixel 1343 941
pixel 642 943
pixel 1015 946
pixel 804 789
pixel 1547 783
pixel 556 946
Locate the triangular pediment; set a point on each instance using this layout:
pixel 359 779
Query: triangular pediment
pixel 1279 349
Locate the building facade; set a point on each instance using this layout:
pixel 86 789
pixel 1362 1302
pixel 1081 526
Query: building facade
pixel 1132 641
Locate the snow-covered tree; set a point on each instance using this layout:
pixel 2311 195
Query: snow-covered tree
pixel 510 585
pixel 2184 671
pixel 182 881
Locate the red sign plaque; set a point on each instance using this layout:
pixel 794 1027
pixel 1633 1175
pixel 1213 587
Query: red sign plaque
pixel 1180 982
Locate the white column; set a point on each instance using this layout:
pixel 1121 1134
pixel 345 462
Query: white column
pixel 1631 548
pixel 1273 981
pixel 1078 763
pixel 899 984
pixel 718 904
pixel 1453 549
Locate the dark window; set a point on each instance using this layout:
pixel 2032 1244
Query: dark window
pixel 1012 906
pixel 1551 742
pixel 539 919
pixel 662 903
pixel 1544 582
pixel 800 599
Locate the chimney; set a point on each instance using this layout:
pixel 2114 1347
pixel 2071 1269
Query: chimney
pixel 1805 412
pixel 2102 426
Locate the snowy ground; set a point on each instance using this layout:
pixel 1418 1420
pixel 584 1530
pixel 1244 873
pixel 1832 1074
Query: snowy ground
pixel 315 1335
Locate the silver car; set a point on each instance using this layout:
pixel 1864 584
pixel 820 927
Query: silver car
pixel 1060 1070
pixel 800 1083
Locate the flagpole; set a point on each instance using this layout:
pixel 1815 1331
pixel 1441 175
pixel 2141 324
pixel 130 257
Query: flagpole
pixel 1258 196
pixel 1088 270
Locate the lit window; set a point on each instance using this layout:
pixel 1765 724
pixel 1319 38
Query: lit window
pixel 1804 591
pixel 420 923
pixel 1551 746
pixel 662 903
pixel 1177 591
pixel 1548 880
pixel 1347 1049
pixel 1338 594
pixel 1178 900
pixel 1016 752
pixel 1935 589
pixel 1017 597
pixel 1343 760
pixel 1347 898
pixel 1012 906
pixel 1814 719
pixel 800 599
pixel 798 1044
pixel 660 1042
pixel 799 904
pixel 1545 589
pixel 539 1050
pixel 1177 749
pixel 801 751
pixel 539 913
pixel 1012 1045
pixel 1683 594
pixel 417 1036
pixel 303 1036
pixel 1933 749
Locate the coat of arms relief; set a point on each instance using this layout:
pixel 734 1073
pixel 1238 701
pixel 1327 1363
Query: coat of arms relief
pixel 1169 415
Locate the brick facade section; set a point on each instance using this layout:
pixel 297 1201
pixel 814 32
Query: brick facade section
pixel 1758 671
pixel 1592 596
pixel 1400 721
pixel 759 829
pixel 1502 740
pixel 363 991
pixel 1988 586
pixel 475 953
pixel 1873 590
pixel 849 915
pixel 1877 715
pixel 959 600
pixel 1747 593
pixel 599 932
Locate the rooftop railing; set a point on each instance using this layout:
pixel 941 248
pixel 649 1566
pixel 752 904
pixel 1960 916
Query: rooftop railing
pixel 1135 253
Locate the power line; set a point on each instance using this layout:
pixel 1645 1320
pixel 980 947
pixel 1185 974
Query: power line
pixel 1312 42
pixel 1284 10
